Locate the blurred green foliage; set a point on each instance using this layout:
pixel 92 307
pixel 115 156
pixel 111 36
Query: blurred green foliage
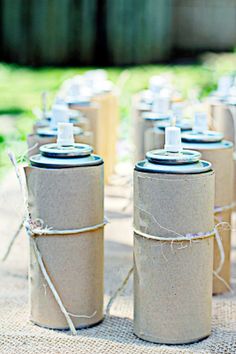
pixel 21 88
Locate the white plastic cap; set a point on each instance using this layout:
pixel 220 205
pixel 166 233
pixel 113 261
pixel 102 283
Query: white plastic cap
pixel 224 85
pixel 156 83
pixel 60 114
pixel 60 101
pixel 65 136
pixel 161 104
pixel 200 122
pixel 177 109
pixel 74 88
pixel 44 100
pixel 173 139
pixel 98 74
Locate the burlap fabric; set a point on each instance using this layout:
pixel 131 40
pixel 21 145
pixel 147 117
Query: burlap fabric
pixel 115 334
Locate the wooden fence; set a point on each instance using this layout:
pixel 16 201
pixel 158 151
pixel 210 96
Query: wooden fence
pixel 112 32
pixel 84 31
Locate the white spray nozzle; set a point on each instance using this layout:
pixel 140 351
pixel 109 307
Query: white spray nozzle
pixel 60 101
pixel 173 139
pixel 44 100
pixel 74 88
pixel 156 83
pixel 161 104
pixel 177 109
pixel 60 114
pixel 200 122
pixel 65 136
pixel 224 85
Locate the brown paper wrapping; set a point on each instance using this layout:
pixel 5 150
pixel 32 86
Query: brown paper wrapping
pixel 173 280
pixel 222 120
pixel 222 163
pixel 103 115
pixel 92 113
pixel 67 199
pixel 234 177
pixel 154 139
pixel 107 129
pixel 34 141
pixel 220 286
pixel 36 126
pixel 172 290
pixel 113 109
pixel 181 203
pixel 83 123
pixel 138 127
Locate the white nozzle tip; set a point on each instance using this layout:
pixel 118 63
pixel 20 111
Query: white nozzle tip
pixel 177 109
pixel 60 114
pixel 200 122
pixel 173 139
pixel 161 104
pixel 65 136
pixel 224 85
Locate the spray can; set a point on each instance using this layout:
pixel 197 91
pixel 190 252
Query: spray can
pixel 138 109
pixel 155 136
pixel 173 244
pixel 158 113
pixel 66 218
pixel 74 117
pixel 219 119
pixel 91 111
pixel 107 127
pixel 49 134
pixel 220 153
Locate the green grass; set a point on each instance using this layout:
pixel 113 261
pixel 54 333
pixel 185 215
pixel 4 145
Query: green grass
pixel 21 88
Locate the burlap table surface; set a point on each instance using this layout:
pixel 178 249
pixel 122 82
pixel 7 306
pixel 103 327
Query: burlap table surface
pixel 115 334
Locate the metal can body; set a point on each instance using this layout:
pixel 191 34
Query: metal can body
pixel 66 200
pixel 93 114
pixel 154 139
pixel 221 157
pixel 172 278
pixel 138 108
pixel 222 120
pixel 108 129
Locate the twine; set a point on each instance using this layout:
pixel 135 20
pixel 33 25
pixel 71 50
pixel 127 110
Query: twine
pixel 54 291
pixel 218 209
pixel 189 237
pixel 40 229
pixel 39 258
pixel 45 230
pixel 171 240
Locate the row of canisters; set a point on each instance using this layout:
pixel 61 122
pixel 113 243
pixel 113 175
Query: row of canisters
pixel 90 102
pixel 162 106
pixel 183 200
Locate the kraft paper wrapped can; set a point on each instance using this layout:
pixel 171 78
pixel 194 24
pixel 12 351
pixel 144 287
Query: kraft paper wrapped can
pixel 107 129
pixel 138 108
pixel 48 136
pixel 91 111
pixel 154 138
pixel 66 193
pixel 222 118
pixel 220 153
pixel 173 247
pixel 150 134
